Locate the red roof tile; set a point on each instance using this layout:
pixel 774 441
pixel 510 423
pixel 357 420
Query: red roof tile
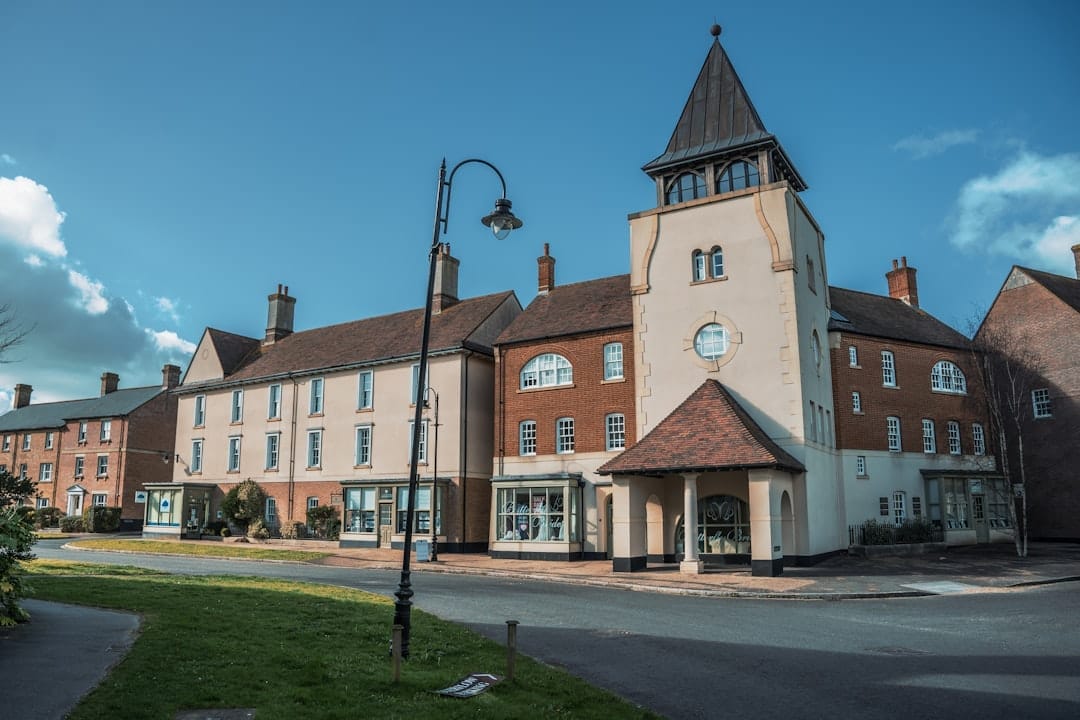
pixel 708 431
pixel 588 306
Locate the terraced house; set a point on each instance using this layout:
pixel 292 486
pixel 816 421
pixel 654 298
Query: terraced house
pixel 95 451
pixel 324 416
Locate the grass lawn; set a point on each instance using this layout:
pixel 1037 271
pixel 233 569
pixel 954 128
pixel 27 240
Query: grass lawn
pixel 295 650
pixel 225 550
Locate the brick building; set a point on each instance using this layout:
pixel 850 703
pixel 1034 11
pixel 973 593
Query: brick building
pixel 324 416
pixel 911 422
pixel 96 451
pixel 564 387
pixel 1041 311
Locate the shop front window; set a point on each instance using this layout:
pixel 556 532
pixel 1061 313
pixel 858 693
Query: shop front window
pixel 956 504
pixel 538 514
pixel 723 527
pixel 360 510
pixel 161 508
pixel 422 510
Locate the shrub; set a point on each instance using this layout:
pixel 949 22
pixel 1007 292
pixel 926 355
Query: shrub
pixel 16 538
pixel 48 517
pixel 324 521
pixel 293 530
pixel 214 527
pixel 98 518
pixel 72 524
pixel 15 489
pixel 915 531
pixel 257 529
pixel 876 533
pixel 244 503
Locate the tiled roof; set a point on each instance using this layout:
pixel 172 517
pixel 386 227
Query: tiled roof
pixel 885 317
pixel 1066 288
pixel 588 306
pixel 708 431
pixel 231 348
pixel 51 415
pixel 372 339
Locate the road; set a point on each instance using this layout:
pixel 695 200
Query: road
pixel 1004 654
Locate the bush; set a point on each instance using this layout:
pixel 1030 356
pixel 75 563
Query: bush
pixel 48 517
pixel 915 531
pixel 324 521
pixel 244 503
pixel 293 530
pixel 877 533
pixel 72 524
pixel 214 527
pixel 98 518
pixel 16 538
pixel 257 529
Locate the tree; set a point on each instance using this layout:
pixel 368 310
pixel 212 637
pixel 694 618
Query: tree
pixel 16 539
pixel 1009 368
pixel 244 503
pixel 11 331
pixel 15 489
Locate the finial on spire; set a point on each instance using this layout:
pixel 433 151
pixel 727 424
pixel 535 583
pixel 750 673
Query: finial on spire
pixel 715 30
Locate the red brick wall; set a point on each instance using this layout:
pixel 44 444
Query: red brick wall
pixel 589 400
pixel 34 457
pixel 911 400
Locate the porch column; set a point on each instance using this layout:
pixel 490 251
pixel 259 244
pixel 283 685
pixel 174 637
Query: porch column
pixel 766 545
pixel 628 524
pixel 690 565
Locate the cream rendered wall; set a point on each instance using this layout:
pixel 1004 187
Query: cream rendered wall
pixel 204 363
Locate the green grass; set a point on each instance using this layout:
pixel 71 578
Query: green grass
pixel 229 550
pixel 295 650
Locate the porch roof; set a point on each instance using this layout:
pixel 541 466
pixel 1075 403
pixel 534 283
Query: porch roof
pixel 709 431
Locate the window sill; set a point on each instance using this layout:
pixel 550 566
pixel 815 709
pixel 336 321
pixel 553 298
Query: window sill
pixel 313 415
pixel 855 367
pixel 858 412
pixel 365 466
pixel 613 381
pixel 937 391
pixel 706 281
pixel 273 419
pixel 233 472
pixel 371 409
pixel 270 470
pixel 311 468
pixel 541 388
pixel 199 426
pixel 890 387
pixel 862 477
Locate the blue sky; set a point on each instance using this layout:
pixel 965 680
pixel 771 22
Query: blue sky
pixel 164 165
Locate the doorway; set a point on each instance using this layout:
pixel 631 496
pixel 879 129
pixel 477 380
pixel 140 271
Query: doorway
pixel 978 515
pixel 385 523
pixel 74 503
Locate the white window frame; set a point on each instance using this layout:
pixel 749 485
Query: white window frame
pixel 80 465
pixel 22 471
pixel 947 377
pixel 712 341
pixel 860 466
pixel 42 503
pixel 99 499
pixel 422 457
pixel 888 368
pixel 698 266
pixel 613 361
pixel 362 449
pixel 273 450
pixel 954 437
pixel 45 472
pixel 416 379
pixel 49 440
pixel 813 421
pixel 199 414
pixel 316 396
pixel 7 443
pixel 615 431
pixel 26 441
pixel 273 402
pixel 892 429
pixel 236 413
pixel 899 507
pixel 853 356
pixel 314 448
pixel 312 502
pixel 1040 404
pixel 716 254
pixel 106 430
pixel 929 438
pixel 271 511
pixel 564 435
pixel 83 429
pixel 527 437
pixel 856 401
pixel 232 460
pixel 546 370
pixel 365 390
pixel 196 455
pixel 102 466
pixel 978 439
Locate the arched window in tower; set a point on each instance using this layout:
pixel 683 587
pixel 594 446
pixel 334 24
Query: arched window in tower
pixel 547 370
pixel 688 186
pixel 697 265
pixel 737 176
pixel 716 262
pixel 711 341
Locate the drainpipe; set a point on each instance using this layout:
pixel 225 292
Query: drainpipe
pixel 463 444
pixel 120 462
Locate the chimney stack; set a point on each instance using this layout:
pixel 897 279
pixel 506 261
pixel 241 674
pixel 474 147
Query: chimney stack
pixel 546 271
pixel 902 284
pixel 21 398
pixel 279 317
pixel 109 382
pixel 1076 259
pixel 170 376
pixel 445 291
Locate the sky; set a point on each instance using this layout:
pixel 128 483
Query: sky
pixel 163 166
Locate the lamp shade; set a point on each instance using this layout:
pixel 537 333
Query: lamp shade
pixel 501 221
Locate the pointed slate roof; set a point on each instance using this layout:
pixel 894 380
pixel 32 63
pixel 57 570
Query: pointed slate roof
pixel 710 430
pixel 56 414
pixel 1065 288
pixel 590 306
pixel 718 118
pixel 885 317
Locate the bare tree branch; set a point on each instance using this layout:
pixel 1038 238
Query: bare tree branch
pixel 12 331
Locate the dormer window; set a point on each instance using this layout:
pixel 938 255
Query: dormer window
pixel 688 186
pixel 738 175
pixel 548 370
pixel 948 378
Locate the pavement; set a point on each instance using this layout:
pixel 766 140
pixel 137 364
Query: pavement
pixel 87 642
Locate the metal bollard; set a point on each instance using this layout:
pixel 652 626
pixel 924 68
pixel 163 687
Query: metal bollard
pixel 511 647
pixel 395 652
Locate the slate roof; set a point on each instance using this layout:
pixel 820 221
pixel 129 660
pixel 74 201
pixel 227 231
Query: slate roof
pixel 370 340
pixel 589 306
pixel 231 348
pixel 708 431
pixel 1065 288
pixel 885 317
pixel 56 414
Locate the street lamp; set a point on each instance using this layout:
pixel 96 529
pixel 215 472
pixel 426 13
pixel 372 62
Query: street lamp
pixel 501 221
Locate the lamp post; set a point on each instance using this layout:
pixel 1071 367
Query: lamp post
pixel 501 221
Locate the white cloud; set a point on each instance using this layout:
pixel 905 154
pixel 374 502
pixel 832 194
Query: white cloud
pixel 168 308
pixel 923 147
pixel 7 159
pixel 1028 210
pixel 168 341
pixel 5 400
pixel 34 260
pixel 93 301
pixel 29 218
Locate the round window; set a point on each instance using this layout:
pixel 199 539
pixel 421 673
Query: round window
pixel 711 341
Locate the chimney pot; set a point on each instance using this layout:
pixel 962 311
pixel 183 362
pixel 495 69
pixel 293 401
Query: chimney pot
pixel 170 376
pixel 21 398
pixel 279 316
pixel 902 285
pixel 109 382
pixel 545 272
pixel 895 264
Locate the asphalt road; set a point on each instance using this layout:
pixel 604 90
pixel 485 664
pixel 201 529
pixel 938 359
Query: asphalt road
pixel 1006 654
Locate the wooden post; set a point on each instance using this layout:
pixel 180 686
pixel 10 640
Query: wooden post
pixel 395 652
pixel 511 647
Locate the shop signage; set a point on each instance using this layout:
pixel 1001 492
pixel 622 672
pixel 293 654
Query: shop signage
pixel 140 496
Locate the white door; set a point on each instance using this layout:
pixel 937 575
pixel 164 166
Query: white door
pixel 74 506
